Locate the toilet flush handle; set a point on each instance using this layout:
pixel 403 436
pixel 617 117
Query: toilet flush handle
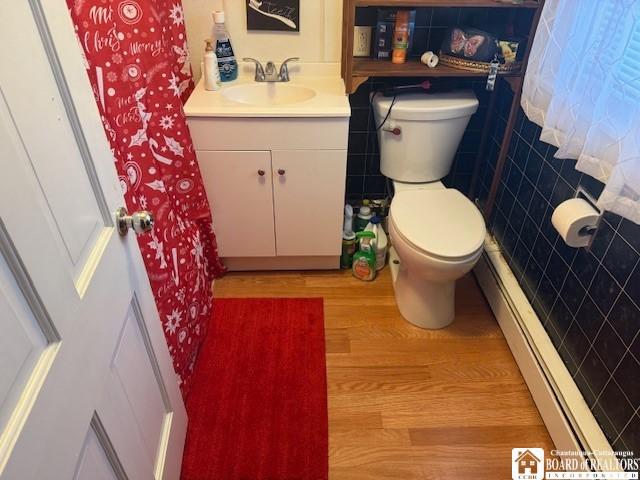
pixel 394 130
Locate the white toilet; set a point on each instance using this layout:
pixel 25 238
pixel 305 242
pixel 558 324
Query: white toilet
pixel 437 233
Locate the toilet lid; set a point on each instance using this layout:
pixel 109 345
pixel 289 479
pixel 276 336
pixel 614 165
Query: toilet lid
pixel 443 223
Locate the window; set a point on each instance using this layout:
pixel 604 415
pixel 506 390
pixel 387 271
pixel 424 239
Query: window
pixel 629 67
pixel 583 88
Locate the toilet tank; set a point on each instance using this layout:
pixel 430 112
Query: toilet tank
pixel 421 133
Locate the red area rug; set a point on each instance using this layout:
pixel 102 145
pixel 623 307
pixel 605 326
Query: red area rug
pixel 258 402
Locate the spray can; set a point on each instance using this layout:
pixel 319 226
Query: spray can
pixel 348 238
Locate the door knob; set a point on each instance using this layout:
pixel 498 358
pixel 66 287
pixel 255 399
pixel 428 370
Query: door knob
pixel 140 221
pixel 261 173
pixel 281 171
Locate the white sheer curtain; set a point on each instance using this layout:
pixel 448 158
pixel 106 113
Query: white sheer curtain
pixel 583 88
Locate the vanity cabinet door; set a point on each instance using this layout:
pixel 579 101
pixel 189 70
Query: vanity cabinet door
pixel 308 190
pixel 239 187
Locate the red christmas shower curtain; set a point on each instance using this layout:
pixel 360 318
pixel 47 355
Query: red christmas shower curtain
pixel 138 63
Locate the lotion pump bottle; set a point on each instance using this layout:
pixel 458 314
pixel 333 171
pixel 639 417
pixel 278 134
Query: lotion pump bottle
pixel 211 71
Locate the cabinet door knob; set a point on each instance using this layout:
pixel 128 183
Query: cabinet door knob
pixel 261 173
pixel 281 171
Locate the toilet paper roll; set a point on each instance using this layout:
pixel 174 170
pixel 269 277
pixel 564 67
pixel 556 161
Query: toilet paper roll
pixel 574 220
pixel 430 59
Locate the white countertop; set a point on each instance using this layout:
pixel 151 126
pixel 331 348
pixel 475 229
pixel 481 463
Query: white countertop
pixel 324 78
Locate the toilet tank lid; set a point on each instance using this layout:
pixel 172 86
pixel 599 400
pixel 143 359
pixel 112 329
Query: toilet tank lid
pixel 427 106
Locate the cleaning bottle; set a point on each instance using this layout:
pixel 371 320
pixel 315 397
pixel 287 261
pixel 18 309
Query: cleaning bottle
pixel 400 42
pixel 224 51
pixel 348 238
pixel 382 244
pixel 364 260
pixel 210 68
pixel 363 217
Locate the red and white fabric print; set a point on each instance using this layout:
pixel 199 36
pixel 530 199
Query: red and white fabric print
pixel 138 63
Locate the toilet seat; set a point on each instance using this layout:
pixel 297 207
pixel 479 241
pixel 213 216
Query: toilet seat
pixel 440 223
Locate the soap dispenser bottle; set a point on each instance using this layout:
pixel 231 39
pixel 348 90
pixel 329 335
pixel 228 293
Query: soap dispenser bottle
pixel 224 51
pixel 210 68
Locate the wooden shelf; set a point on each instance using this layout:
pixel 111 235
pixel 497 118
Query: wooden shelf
pixel 446 3
pixel 356 70
pixel 368 67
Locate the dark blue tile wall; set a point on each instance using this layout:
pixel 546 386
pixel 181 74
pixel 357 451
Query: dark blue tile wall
pixel 588 301
pixel 364 179
pixel 432 23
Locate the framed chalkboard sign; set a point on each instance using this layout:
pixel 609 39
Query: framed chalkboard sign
pixel 278 15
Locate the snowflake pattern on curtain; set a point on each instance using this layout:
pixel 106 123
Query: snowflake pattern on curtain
pixel 137 60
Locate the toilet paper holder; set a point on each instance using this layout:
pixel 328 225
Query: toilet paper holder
pixel 577 219
pixel 589 230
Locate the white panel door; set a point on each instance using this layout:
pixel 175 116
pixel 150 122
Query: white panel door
pixel 308 194
pixel 239 187
pixel 87 389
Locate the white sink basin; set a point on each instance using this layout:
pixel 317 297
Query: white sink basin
pixel 315 91
pixel 265 94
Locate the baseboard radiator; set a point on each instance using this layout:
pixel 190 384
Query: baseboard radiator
pixel 566 415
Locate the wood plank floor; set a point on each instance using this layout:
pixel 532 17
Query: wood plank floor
pixel 407 403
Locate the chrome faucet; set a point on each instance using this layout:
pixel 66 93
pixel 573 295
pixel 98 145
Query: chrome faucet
pixel 268 73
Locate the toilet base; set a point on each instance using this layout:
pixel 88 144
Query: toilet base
pixel 424 303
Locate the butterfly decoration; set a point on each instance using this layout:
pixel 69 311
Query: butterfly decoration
pixel 468 46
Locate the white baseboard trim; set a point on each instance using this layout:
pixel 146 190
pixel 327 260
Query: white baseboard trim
pixel 566 415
